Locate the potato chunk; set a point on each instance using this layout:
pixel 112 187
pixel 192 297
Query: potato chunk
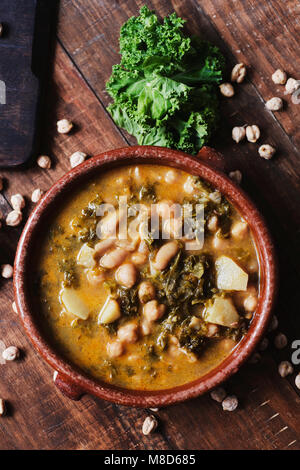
pixel 109 312
pixel 229 275
pixel 73 304
pixel 85 256
pixel 222 312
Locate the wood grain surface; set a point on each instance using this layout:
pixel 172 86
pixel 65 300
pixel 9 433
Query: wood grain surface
pixel 263 34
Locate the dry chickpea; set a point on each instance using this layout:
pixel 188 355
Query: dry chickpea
pixel 274 104
pixel 230 403
pixel 292 85
pixel 64 126
pixel 285 368
pixel 273 323
pixel 17 202
pixel 149 425
pixel 13 218
pixel 266 151
pixel 218 394
pixel 250 303
pixel 44 162
pixel 238 73
pixel 36 195
pixel 7 271
pixel 238 133
pixel 264 344
pixel 226 89
pixel 280 341
pixel 255 358
pixel 11 353
pixel 252 133
pixel 279 77
pixel 77 158
pixel 2 407
pixel 236 176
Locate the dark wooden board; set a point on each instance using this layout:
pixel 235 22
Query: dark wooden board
pixel 261 34
pixel 24 52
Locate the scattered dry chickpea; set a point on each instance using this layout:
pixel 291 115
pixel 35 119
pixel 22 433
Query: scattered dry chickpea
pixel 280 341
pixel 264 344
pixel 11 353
pixel 297 380
pixel 149 425
pixel 7 271
pixel 13 218
pixel 44 161
pixel 252 133
pixel 255 358
pixel 285 368
pixel 17 202
pixel 279 77
pixel 274 104
pixel 236 176
pixel 266 151
pixel 14 307
pixel 36 195
pixel 218 394
pixel 273 323
pixel 292 85
pixel 2 407
pixel 226 89
pixel 230 403
pixel 64 126
pixel 238 73
pixel 238 133
pixel 77 158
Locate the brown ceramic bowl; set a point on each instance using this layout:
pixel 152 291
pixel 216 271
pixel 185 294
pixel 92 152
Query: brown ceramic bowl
pixel 72 381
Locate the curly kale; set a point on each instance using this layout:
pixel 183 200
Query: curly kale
pixel 165 87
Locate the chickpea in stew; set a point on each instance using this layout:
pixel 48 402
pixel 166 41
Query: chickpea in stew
pixel 141 304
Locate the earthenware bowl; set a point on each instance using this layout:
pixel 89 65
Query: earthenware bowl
pixel 208 165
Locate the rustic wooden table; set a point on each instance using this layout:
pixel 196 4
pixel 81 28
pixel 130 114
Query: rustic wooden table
pixel 263 34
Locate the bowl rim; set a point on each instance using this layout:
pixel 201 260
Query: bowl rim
pixel 74 377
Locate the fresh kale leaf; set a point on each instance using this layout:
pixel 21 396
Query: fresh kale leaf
pixel 165 87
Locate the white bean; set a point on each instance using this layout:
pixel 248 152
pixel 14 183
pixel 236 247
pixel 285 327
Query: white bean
pixel 146 292
pixel 113 259
pixel 239 229
pixel 94 278
pixel 103 246
pixel 126 275
pixel 128 333
pixel 153 310
pixel 115 349
pixel 165 254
